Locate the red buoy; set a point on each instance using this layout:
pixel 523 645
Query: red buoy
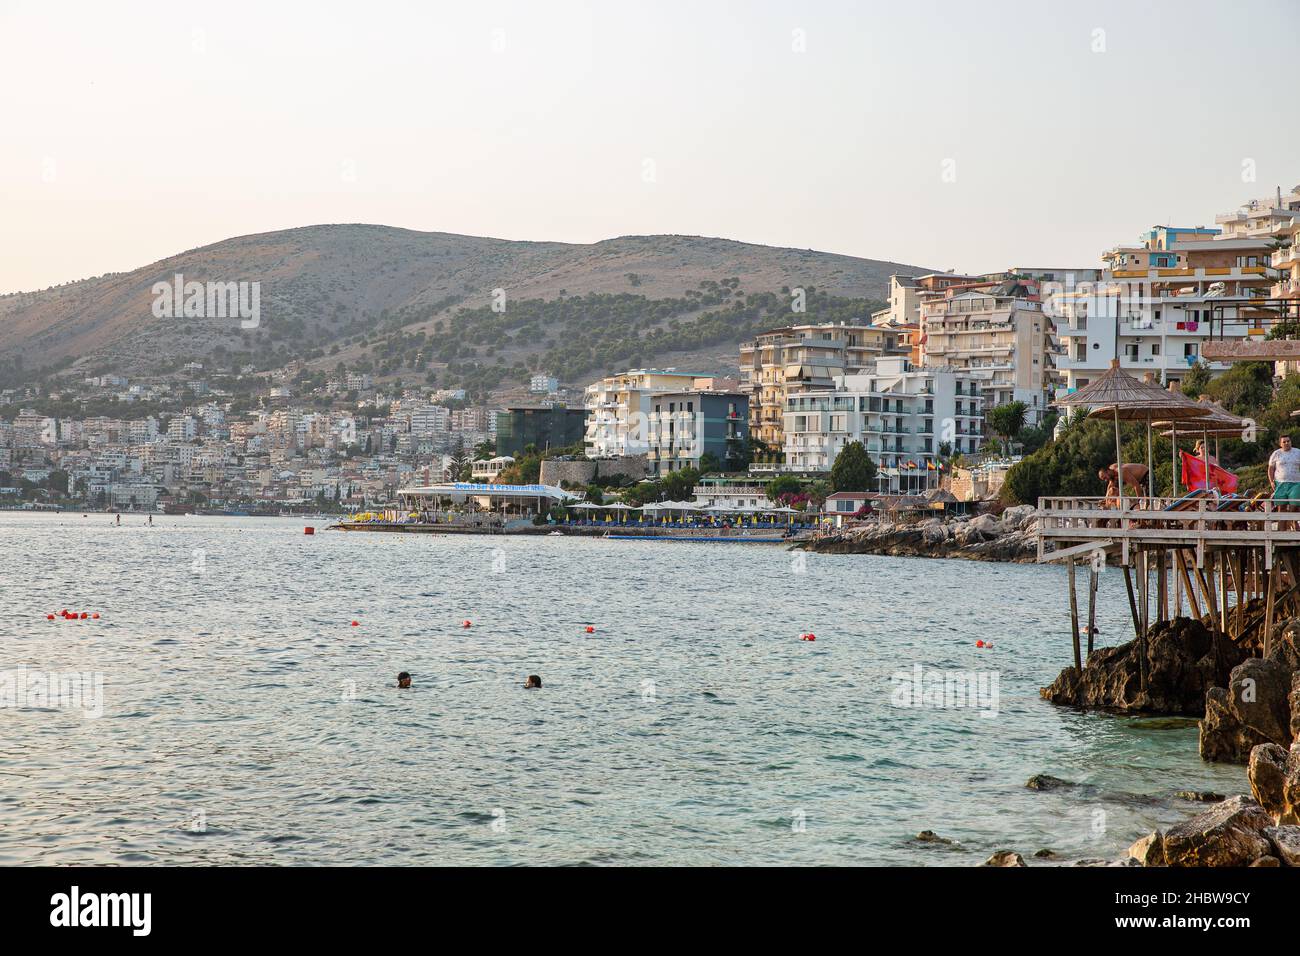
pixel 49 617
pixel 979 643
pixel 95 616
pixel 464 624
pixel 356 623
pixel 309 530
pixel 590 629
pixel 84 615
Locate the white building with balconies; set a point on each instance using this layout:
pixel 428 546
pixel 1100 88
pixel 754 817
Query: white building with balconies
pixel 619 409
pixel 903 415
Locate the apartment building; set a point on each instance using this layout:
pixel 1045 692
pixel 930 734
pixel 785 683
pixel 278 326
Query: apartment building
pixel 902 414
pixel 686 426
pixel 544 426
pixel 799 358
pixel 1277 219
pixel 1269 216
pixel 1153 305
pixel 997 332
pixel 618 409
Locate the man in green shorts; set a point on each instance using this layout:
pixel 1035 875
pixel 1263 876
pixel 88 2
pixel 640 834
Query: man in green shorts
pixel 1284 474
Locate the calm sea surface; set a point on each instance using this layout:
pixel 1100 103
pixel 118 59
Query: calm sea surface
pixel 246 722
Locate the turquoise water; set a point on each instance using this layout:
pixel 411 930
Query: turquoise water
pixel 246 722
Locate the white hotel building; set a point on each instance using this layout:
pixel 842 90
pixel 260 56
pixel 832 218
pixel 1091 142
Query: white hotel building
pixel 900 413
pixel 619 408
pixel 1153 306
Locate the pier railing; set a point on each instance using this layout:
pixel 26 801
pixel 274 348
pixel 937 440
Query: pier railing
pixel 1234 561
pixel 1073 526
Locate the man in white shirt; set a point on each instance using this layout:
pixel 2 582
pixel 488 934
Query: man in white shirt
pixel 1284 473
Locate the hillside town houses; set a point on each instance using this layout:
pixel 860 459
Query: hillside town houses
pixel 914 382
pixel 285 452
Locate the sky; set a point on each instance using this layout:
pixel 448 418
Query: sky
pixel 972 136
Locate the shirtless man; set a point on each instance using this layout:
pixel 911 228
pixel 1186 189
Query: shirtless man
pixel 1134 476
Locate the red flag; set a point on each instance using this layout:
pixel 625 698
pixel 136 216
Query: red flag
pixel 1194 475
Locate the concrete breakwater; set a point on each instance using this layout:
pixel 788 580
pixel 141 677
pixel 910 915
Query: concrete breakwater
pixel 1011 537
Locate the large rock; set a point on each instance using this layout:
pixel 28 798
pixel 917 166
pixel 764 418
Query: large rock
pixel 1293 700
pixel 1005 858
pixel 986 525
pixel 934 532
pixel 1150 850
pixel 1184 660
pixel 1286 843
pixel 1286 648
pixel 1274 776
pixel 1018 516
pixel 1252 710
pixel 1230 833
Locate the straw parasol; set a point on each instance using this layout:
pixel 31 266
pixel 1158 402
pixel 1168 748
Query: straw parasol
pixel 1120 396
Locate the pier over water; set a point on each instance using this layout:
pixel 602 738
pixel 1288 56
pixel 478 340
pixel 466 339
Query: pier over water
pixel 1233 562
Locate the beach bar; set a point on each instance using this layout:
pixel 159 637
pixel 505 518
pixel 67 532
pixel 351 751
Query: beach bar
pixel 1231 561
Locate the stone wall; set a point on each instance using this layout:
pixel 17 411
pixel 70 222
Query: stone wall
pixel 554 471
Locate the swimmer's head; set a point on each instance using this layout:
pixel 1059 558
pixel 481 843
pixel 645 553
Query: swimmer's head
pixel 533 681
pixel 404 679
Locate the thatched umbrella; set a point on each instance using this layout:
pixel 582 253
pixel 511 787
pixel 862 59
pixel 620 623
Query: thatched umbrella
pixel 1119 395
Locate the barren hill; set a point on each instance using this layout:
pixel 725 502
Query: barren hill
pixel 398 301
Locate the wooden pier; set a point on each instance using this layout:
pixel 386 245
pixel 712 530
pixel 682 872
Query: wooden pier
pixel 1234 563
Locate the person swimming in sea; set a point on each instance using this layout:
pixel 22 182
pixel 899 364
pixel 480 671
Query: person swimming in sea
pixel 404 680
pixel 533 682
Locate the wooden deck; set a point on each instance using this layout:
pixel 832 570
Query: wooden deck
pixel 1236 570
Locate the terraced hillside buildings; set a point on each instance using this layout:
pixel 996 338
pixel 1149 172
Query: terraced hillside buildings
pixel 996 331
pixel 799 358
pixel 1153 305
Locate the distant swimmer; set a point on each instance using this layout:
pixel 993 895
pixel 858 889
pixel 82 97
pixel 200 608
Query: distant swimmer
pixel 404 679
pixel 533 681
pixel 119 519
pixel 150 522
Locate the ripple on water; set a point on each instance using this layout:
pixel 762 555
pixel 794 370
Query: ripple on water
pixel 692 727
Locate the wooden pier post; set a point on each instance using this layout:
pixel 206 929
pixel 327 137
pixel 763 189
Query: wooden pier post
pixel 1092 606
pixel 1144 607
pixel 1132 601
pixel 1270 598
pixel 1162 586
pixel 1074 626
pixel 1192 606
pixel 1222 558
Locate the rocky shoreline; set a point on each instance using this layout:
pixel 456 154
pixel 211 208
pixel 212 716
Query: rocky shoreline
pixel 1249 709
pixel 1010 537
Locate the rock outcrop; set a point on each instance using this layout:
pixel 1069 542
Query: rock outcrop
pixel 1286 843
pixel 1184 660
pixel 1005 858
pixel 1150 850
pixel 1252 710
pixel 1274 775
pixel 1011 538
pixel 1258 704
pixel 1230 833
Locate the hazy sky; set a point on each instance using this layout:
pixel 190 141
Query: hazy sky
pixel 131 131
